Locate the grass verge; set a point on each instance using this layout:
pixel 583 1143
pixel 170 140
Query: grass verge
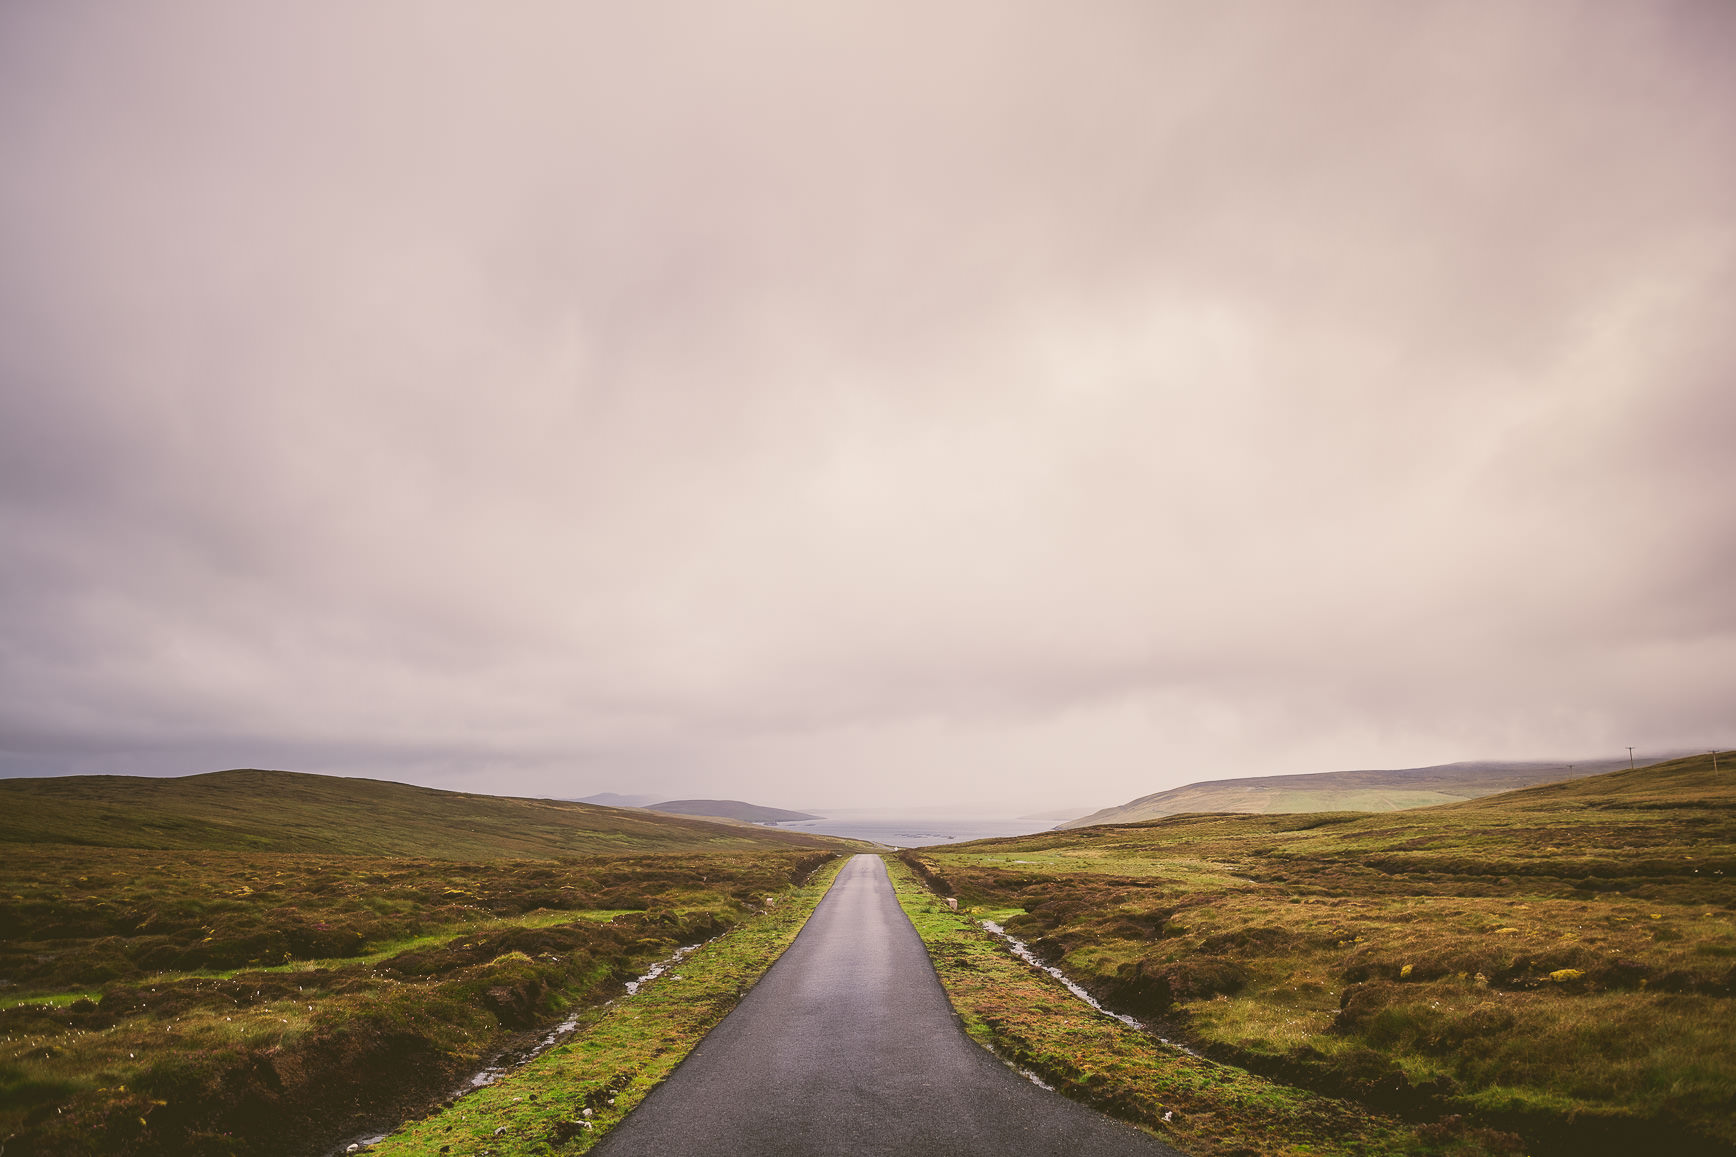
pixel 1200 1106
pixel 568 1098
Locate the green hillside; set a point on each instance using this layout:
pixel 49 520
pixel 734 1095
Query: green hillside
pixel 733 809
pixel 1368 791
pixel 283 811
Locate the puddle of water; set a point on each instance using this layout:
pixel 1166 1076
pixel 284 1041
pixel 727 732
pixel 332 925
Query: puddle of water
pixel 360 1142
pixel 517 1057
pixel 660 968
pixel 1023 952
pixel 1036 1080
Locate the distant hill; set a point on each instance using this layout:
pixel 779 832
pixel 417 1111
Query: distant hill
pixel 285 811
pixel 615 799
pixel 733 809
pixel 1695 782
pixel 1373 791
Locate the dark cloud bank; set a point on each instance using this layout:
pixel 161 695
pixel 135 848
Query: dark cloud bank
pixel 858 403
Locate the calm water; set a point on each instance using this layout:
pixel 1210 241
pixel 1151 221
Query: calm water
pixel 908 832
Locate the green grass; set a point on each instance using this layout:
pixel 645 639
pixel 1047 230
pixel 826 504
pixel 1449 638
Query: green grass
pixel 1556 962
pixel 49 1000
pixel 266 811
pixel 620 1053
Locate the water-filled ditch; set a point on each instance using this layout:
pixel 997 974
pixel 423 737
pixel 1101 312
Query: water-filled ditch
pixel 521 1055
pixel 1023 951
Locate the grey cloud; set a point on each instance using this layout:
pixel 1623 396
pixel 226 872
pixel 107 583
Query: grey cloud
pixel 848 401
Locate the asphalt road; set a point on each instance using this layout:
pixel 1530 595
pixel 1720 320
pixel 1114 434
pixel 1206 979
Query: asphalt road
pixel 846 1047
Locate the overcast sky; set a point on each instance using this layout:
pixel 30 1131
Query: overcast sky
pixel 864 403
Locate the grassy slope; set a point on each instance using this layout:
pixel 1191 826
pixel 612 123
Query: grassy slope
pixel 1556 962
pixel 1341 790
pixel 250 810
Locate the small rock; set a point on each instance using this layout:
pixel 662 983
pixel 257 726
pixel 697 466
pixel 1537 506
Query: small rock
pixel 500 1132
pixel 586 1113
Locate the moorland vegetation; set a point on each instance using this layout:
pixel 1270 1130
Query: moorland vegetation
pixel 1549 970
pixel 177 998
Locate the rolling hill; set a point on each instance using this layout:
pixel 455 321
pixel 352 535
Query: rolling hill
pixel 733 809
pixel 285 811
pixel 1373 791
pixel 616 799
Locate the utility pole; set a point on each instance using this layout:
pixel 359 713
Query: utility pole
pixel 1630 759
